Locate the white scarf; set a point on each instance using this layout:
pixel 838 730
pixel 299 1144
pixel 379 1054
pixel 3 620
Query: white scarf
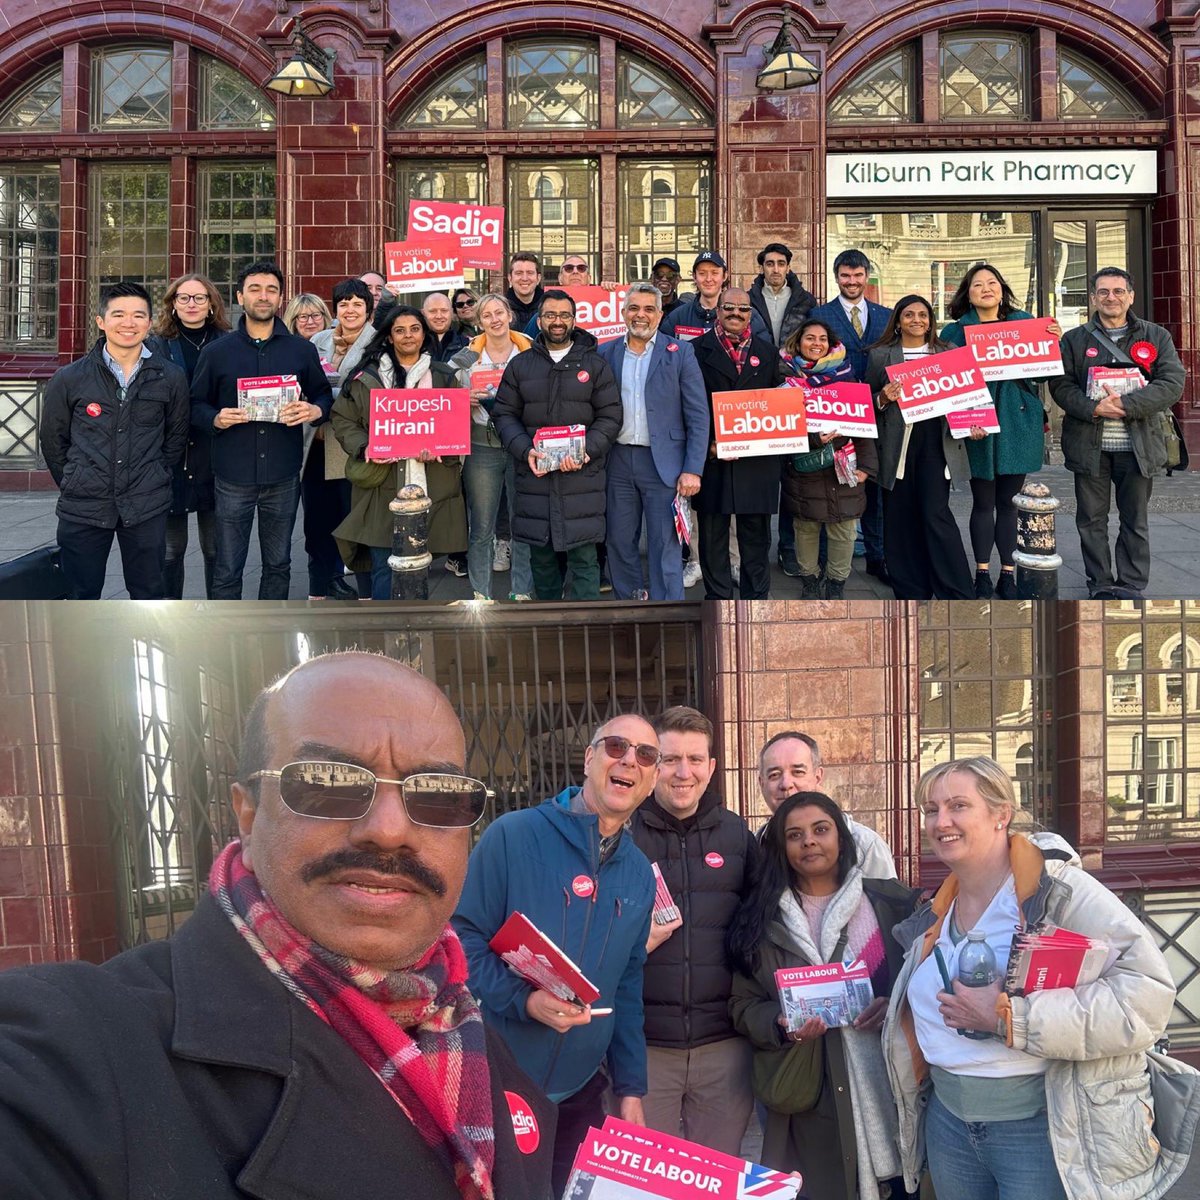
pixel 415 376
pixel 876 1127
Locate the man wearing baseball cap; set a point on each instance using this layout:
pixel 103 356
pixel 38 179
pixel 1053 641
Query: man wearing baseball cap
pixel 698 313
pixel 665 276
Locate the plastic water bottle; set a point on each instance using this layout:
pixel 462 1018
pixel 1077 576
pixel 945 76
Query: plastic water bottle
pixel 976 968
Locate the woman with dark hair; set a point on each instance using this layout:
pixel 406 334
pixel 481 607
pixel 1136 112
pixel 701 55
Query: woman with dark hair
pixel 813 495
pixel 192 316
pixel 465 305
pixel 396 357
pixel 811 905
pixel 917 464
pixel 999 461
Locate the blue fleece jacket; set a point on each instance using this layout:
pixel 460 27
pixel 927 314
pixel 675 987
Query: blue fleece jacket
pixel 526 862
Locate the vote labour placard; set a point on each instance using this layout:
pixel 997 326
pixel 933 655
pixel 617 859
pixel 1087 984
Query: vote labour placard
pixel 845 408
pixel 939 383
pixel 599 311
pixel 478 229
pixel 405 421
pixel 1015 349
pixel 428 266
pixel 761 421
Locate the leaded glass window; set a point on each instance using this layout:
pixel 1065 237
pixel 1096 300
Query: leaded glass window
pixel 647 98
pixel 983 77
pixel 883 91
pixel 37 106
pixel 129 226
pixel 553 209
pixel 228 100
pixel 28 257
pixel 553 84
pixel 131 88
pixel 462 181
pixel 236 203
pixel 455 101
pixel 1086 93
pixel 665 209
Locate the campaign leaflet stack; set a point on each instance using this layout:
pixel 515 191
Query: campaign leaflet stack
pixel 533 956
pixel 835 992
pixel 263 397
pixel 630 1162
pixel 1045 956
pixel 1121 380
pixel 553 443
pixel 665 909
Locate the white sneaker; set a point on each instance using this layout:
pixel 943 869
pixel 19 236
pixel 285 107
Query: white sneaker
pixel 691 573
pixel 735 571
pixel 520 597
pixel 501 556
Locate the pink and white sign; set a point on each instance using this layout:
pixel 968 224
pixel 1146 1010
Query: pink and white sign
pixel 963 420
pixel 405 421
pixel 478 229
pixel 845 408
pixel 1015 349
pixel 939 384
pixel 599 311
pixel 427 266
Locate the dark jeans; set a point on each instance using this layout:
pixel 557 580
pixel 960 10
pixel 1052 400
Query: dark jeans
pixel 994 517
pixel 576 1115
pixel 549 575
pixel 1093 495
pixel 326 506
pixel 754 546
pixel 85 551
pixel 275 504
pixel 872 523
pixel 177 544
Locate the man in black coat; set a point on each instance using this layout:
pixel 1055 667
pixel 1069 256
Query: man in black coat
pixel 732 359
pixel 561 381
pixel 113 425
pixel 778 295
pixel 208 1068
pixel 256 463
pixel 699 1066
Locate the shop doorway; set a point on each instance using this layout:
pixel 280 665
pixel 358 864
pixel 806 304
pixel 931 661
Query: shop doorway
pixel 1078 245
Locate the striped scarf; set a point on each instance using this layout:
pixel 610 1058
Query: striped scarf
pixel 419 1029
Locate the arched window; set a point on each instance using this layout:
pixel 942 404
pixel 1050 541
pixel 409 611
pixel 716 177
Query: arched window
pixel 882 91
pixel 131 88
pixel 1086 92
pixel 983 77
pixel 456 101
pixel 553 84
pixel 37 106
pixel 648 98
pixel 228 100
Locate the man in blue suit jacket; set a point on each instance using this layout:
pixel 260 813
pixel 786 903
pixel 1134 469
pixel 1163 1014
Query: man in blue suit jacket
pixel 660 450
pixel 859 323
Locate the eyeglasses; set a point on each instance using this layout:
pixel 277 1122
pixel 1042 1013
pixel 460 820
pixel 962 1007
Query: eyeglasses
pixel 739 308
pixel 199 298
pixel 333 791
pixel 1115 293
pixel 465 303
pixel 617 747
pixel 311 316
pixel 573 267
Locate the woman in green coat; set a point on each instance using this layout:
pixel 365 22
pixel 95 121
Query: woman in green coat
pixel 999 461
pixel 397 357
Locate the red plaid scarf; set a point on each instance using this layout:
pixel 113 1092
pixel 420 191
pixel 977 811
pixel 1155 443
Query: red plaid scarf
pixel 419 1030
pixel 736 350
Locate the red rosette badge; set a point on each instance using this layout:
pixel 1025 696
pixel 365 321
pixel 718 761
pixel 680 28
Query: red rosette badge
pixel 1143 353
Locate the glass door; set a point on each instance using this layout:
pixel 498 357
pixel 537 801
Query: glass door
pixel 1081 243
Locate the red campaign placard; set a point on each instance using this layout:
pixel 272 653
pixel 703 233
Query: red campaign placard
pixel 845 408
pixel 963 419
pixel 1015 349
pixel 938 384
pixel 426 266
pixel 478 229
pixel 405 421
pixel 759 421
pixel 599 311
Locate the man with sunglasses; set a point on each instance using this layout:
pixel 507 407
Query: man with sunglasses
pixel 573 273
pixel 309 1030
pixel 571 866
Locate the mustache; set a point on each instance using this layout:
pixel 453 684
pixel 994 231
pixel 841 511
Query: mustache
pixel 405 866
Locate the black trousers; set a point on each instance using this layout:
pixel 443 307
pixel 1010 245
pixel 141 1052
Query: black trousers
pixel 576 1115
pixel 326 506
pixel 754 546
pixel 85 551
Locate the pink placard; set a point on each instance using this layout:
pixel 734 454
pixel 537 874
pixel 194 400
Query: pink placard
pixel 845 408
pixel 1015 349
pixel 405 421
pixel 478 229
pixel 426 266
pixel 938 384
pixel 962 420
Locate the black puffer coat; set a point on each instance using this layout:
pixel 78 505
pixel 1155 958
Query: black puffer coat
pixel 687 982
pixel 561 509
pixel 114 462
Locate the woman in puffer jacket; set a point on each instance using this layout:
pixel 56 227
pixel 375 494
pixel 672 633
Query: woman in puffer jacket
pixel 1049 1094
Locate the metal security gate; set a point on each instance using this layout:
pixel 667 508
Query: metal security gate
pixel 529 686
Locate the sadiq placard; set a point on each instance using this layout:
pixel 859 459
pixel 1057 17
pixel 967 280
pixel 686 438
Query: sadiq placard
pixel 762 421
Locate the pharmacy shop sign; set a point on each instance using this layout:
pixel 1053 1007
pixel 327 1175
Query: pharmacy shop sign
pixel 1022 173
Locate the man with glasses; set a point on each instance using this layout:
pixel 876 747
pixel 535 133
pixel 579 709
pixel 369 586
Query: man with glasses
pixel 733 359
pixel 309 1031
pixel 571 867
pixel 572 273
pixel 1114 432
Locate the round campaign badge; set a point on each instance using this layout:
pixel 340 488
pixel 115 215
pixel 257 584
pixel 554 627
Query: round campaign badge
pixel 714 860
pixel 1092 352
pixel 754 360
pixel 672 346
pixel 583 885
pixel 583 377
pixel 1143 353
pixel 525 1125
pixel 93 409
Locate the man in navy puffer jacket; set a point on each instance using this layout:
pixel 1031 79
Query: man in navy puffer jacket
pixel 573 869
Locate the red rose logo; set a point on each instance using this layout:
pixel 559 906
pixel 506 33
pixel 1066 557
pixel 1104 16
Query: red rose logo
pixel 93 409
pixel 1143 353
pixel 754 360
pixel 525 1125
pixel 672 346
pixel 1092 352
pixel 583 377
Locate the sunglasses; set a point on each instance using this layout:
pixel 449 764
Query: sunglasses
pixel 465 303
pixel 738 308
pixel 574 266
pixel 333 791
pixel 617 747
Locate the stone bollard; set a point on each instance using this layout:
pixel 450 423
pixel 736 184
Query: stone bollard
pixel 410 559
pixel 1036 558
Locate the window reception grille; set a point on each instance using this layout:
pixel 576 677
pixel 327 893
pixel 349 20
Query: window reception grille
pixel 664 208
pixel 983 77
pixel 553 85
pixel 37 106
pixel 883 91
pixel 648 98
pixel 131 88
pixel 228 100
pixel 456 101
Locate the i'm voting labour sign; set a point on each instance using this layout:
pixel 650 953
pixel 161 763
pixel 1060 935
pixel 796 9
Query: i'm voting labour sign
pixel 405 421
pixel 938 384
pixel 1015 349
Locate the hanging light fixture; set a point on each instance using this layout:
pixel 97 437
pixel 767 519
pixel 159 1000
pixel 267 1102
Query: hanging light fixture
pixel 785 67
pixel 309 72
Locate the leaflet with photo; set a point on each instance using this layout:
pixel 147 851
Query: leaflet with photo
pixel 554 443
pixel 1121 380
pixel 264 397
pixel 533 956
pixel 665 909
pixel 835 992
pixel 1046 956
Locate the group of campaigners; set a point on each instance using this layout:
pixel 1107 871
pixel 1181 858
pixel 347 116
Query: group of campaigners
pixel 147 429
pixel 332 1017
